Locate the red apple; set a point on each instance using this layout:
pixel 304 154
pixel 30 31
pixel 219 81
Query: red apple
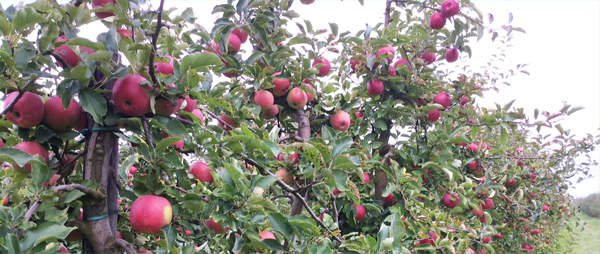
pixel 387 52
pixel 487 239
pixel 266 235
pixel 285 176
pixel 324 70
pixel 443 99
pixel 294 158
pixel 132 170
pixel 5 202
pixel 280 86
pixel 130 97
pixel 498 236
pixel 375 87
pixel 360 212
pixel 271 112
pixel 511 182
pixel 149 214
pixel 437 21
pixel 367 178
pixel 52 181
pixel 340 120
pixel 63 249
pixel 450 8
pixel 357 65
pixel 27 112
pixel 472 147
pixel 234 44
pixel 241 34
pixel 309 96
pixel 297 98
pixel 401 62
pixel 535 231
pixel 545 208
pixel 166 107
pixel 425 241
pixel 264 99
pixel 33 149
pixel 451 55
pixel 227 120
pixel 477 212
pixel 201 171
pixel 389 199
pixel 473 165
pixel 164 68
pixel 448 202
pixel 463 100
pixel 125 33
pixel 190 104
pixel 434 115
pixel 214 226
pixel 488 204
pixel 187 232
pixel 67 54
pixel 59 118
pixel 102 3
pixel 336 191
pixel 428 58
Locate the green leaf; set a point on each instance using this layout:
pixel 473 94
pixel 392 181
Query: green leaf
pixel 341 179
pixel 166 142
pixel 100 55
pixel 342 162
pixel 508 105
pixel 280 224
pixel 12 244
pixel 16 156
pixel 380 124
pixel 198 60
pixel 40 173
pixel 334 28
pixel 93 103
pixel 86 43
pixel 47 232
pixel 262 181
pixel 575 109
pixel 430 107
pixel 341 145
pixel 459 139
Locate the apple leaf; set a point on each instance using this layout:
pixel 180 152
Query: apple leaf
pixel 430 107
pixel 280 224
pixel 342 162
pixel 262 181
pixel 459 139
pixel 341 145
pixel 40 173
pixel 92 102
pixel 12 244
pixel 198 60
pixel 48 232
pixel 304 223
pixel 341 179
pixel 166 142
pixel 16 156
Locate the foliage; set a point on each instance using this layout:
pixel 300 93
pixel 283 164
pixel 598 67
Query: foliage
pixel 589 205
pixel 391 140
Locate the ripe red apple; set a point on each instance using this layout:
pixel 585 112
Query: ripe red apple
pixel 340 120
pixel 472 147
pixel 264 99
pixel 520 163
pixel 473 165
pixel 190 104
pixel 443 99
pixel 102 3
pixel 234 44
pixel 201 171
pixel 130 97
pixel 166 107
pixel 387 52
pixel 437 21
pixel 52 181
pixel 150 213
pixel 375 87
pixel 285 176
pixel 214 226
pixel 448 202
pixel 324 70
pixel 132 170
pixel 401 62
pixel 307 2
pixel 297 98
pixel 450 8
pixel 545 208
pixel 2 143
pixel 33 149
pixel 241 34
pixel 164 68
pixel 477 212
pixel 5 202
pixel 309 96
pixel 360 212
pixel 227 120
pixel 294 158
pixel 67 54
pixel 391 71
pixel 27 112
pixel 425 241
pixel 487 239
pixel 280 86
pixel 547 241
pixel 451 55
pixel 357 65
pixel 336 191
pixel 498 236
pixel 59 118
pixel 488 204
pixel 125 33
pixel 428 58
pixel 63 249
pixel 511 182
pixel 271 112
pixel 367 178
pixel 389 199
pixel 266 235
pixel 434 115
pixel 187 232
pixel 535 231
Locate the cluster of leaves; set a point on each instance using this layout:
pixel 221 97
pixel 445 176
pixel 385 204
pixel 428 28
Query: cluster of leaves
pixel 391 136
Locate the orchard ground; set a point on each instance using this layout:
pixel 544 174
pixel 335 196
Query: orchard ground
pixel 586 240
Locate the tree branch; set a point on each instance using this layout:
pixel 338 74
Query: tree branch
pixel 152 70
pixel 69 187
pixel 213 115
pixel 146 132
pixel 58 58
pixel 32 210
pixel 126 246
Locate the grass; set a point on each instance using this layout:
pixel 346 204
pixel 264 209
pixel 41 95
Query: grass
pixel 586 241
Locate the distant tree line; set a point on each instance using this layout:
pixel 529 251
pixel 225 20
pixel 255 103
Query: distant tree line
pixel 590 205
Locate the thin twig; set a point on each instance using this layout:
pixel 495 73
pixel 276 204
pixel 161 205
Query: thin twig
pixel 58 58
pixel 69 187
pixel 146 132
pixel 213 115
pixel 32 210
pixel 154 40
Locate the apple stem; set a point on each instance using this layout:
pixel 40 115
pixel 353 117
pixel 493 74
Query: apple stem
pixel 154 40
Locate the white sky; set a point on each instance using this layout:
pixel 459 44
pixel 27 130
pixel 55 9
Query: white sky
pixel 562 48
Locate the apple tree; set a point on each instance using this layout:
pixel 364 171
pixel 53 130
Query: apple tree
pixel 266 134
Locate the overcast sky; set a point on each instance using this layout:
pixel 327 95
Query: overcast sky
pixel 562 48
